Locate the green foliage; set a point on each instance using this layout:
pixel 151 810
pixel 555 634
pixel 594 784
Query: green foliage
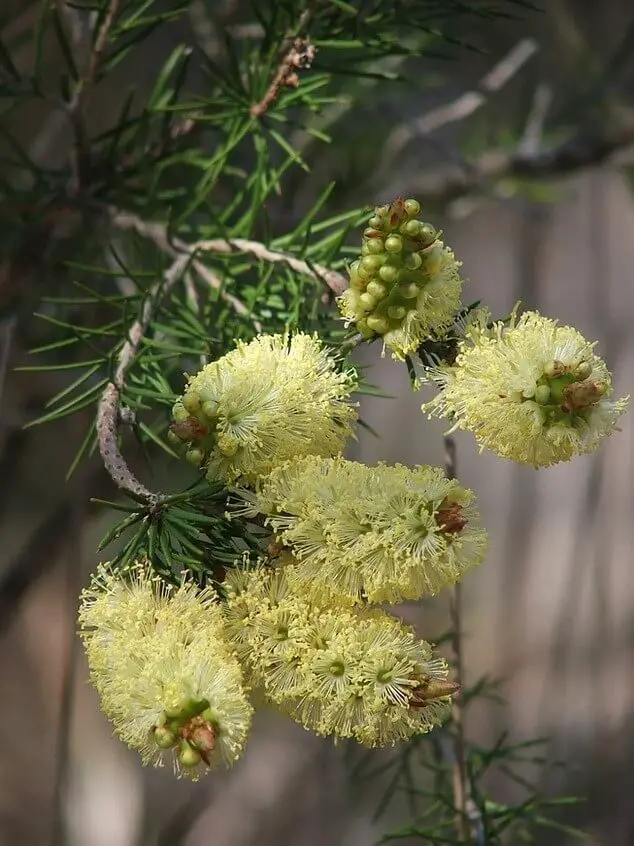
pixel 421 778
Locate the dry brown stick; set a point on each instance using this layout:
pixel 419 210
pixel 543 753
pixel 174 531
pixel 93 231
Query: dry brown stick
pixel 299 55
pixel 157 232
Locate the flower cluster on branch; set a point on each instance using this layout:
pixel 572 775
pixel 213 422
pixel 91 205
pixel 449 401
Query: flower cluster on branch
pixel 269 422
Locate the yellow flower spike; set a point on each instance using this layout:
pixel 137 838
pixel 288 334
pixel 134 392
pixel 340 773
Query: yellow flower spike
pixel 530 390
pixel 271 399
pixel 370 533
pixel 343 672
pixel 164 670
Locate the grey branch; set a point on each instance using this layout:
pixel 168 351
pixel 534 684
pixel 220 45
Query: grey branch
pixel 157 232
pixel 577 153
pixel 108 417
pixel 462 107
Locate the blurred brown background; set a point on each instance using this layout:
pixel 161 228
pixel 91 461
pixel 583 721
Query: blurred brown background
pixel 552 609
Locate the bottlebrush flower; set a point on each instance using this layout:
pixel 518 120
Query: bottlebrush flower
pixel 336 670
pixel 406 285
pixel 378 534
pixel 531 390
pixel 166 676
pixel 264 402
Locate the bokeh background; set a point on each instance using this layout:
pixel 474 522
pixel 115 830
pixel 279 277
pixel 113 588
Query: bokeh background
pixel 552 609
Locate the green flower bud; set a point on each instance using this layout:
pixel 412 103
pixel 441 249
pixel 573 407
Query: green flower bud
pixel 428 234
pixel 388 273
pixel 371 233
pixel 394 243
pixel 378 324
pixel 409 291
pixel 173 438
pixel 412 207
pixel 164 738
pixel 377 290
pixel 371 264
pixel 194 457
pixel 191 401
pixel 382 211
pixel 542 394
pixel 375 222
pixel 412 261
pixel 396 312
pixel 554 369
pixel 374 246
pixel 180 413
pixel 412 228
pixel 583 370
pixel 364 329
pixel 210 408
pixel 188 757
pixel 367 301
pixel 363 272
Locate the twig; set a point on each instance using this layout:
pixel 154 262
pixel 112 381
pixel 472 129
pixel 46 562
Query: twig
pixel 108 416
pixel 157 232
pixel 532 138
pixel 298 56
pixel 468 820
pixel 77 105
pixel 455 616
pixel 581 151
pixel 462 107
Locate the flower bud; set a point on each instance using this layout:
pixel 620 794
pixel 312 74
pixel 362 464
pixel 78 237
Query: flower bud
pixel 583 370
pixel 378 324
pixel 394 243
pixel 412 228
pixel 396 312
pixel 194 457
pixel 428 234
pixel 542 394
pixel 375 222
pixel 412 207
pixel 367 300
pixel 191 401
pixel 210 408
pixel 409 291
pixel 180 413
pixel 371 264
pixel 376 290
pixel 164 738
pixel 374 246
pixel 412 261
pixel 188 757
pixel 388 273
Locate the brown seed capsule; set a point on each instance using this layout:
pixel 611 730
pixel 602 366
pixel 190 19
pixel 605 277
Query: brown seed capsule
pixel 430 689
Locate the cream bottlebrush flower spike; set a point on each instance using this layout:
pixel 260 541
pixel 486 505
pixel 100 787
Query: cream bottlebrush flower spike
pixel 531 390
pixel 337 671
pixel 264 402
pixel 166 676
pixel 406 285
pixel 370 533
